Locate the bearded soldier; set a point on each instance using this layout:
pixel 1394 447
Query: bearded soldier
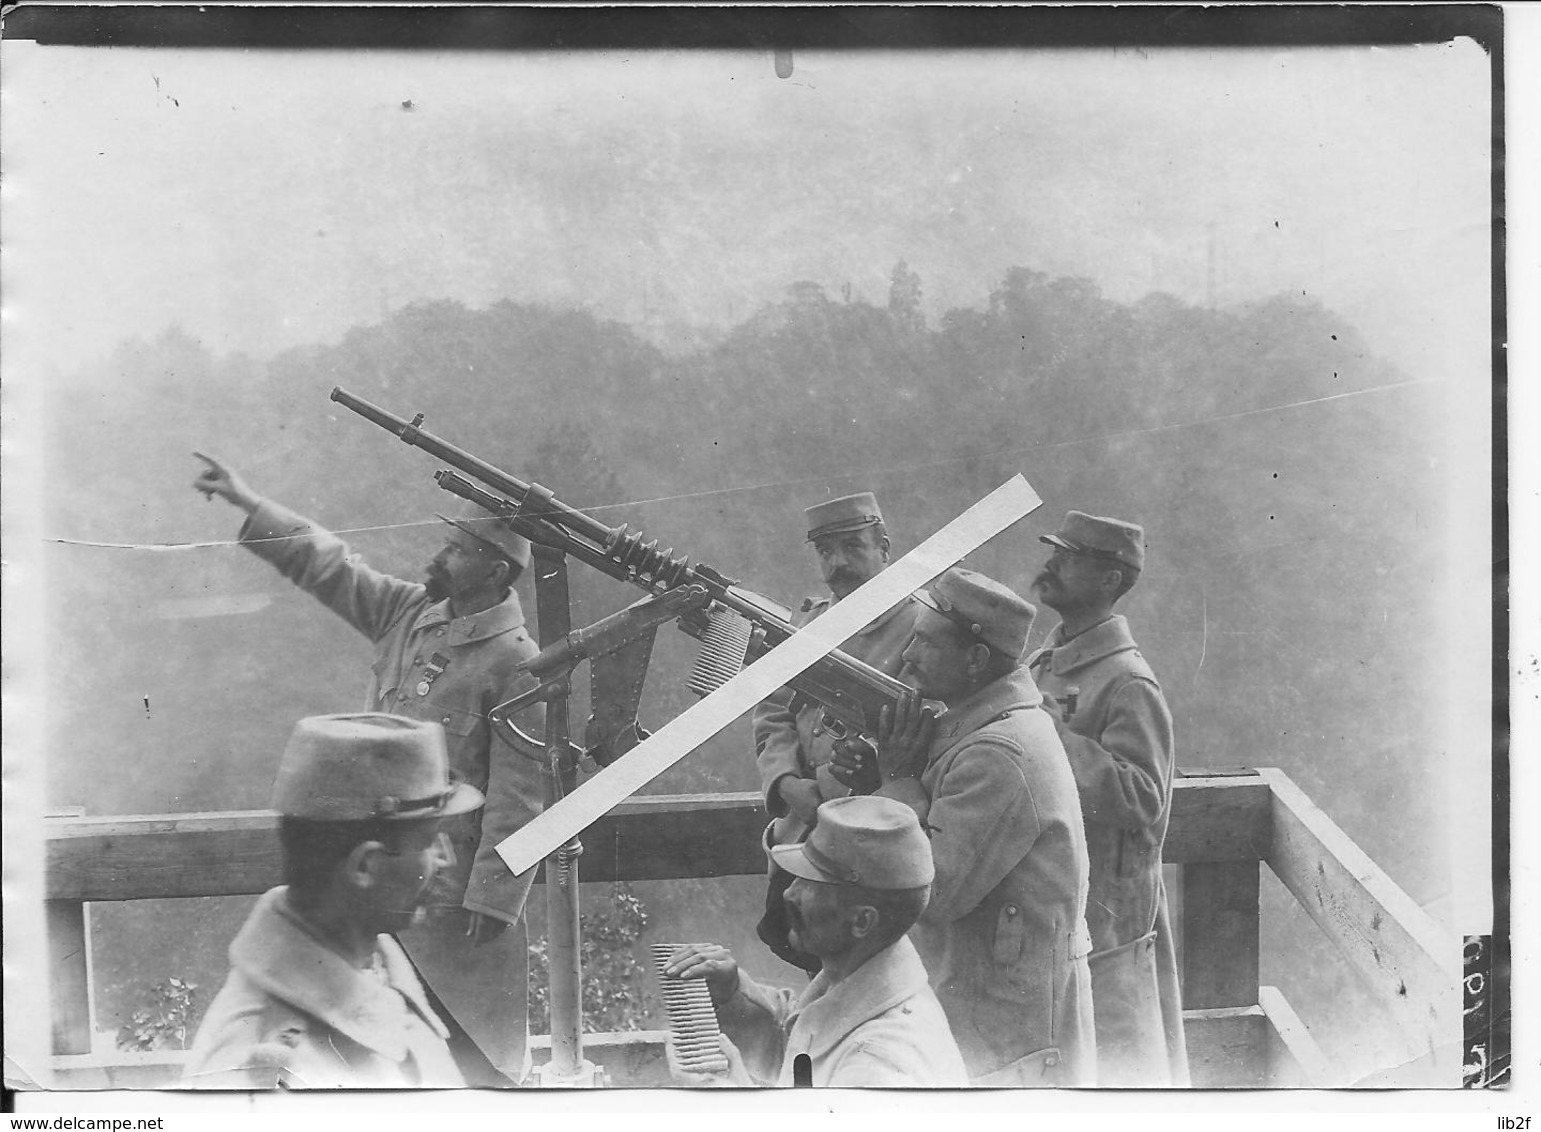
pixel 448 651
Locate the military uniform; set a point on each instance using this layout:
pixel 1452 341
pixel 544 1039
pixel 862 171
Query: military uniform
pixel 1117 731
pixel 452 671
pixel 789 734
pixel 296 1014
pixel 790 737
pixel 879 1027
pixel 1004 936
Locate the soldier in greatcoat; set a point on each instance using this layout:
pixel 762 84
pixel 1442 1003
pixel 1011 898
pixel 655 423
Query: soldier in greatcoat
pixel 868 1019
pixel 1004 937
pixel 1117 730
pixel 319 995
pixel 448 651
pixel 792 744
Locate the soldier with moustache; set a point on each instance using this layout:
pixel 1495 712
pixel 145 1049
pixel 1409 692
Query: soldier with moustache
pixel 1004 936
pixel 319 995
pixel 792 745
pixel 1117 730
pixel 447 651
pixel 868 1019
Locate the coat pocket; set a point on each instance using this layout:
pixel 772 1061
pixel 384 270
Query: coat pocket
pixel 1010 935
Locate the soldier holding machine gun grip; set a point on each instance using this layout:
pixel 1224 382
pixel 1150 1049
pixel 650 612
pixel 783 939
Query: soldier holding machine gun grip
pixel 446 651
pixel 793 744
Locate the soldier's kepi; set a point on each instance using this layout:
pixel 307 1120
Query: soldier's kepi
pixel 794 744
pixel 1117 732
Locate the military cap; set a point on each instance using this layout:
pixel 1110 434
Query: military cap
pixel 1091 534
pixel 848 513
pixel 368 766
pixel 482 524
pixel 865 840
pixel 983 607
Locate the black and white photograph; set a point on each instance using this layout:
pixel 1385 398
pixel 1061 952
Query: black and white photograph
pixel 856 548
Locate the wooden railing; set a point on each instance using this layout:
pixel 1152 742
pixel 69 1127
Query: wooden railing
pixel 1224 825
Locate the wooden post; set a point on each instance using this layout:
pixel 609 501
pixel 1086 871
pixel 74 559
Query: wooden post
pixel 69 975
pixel 1220 934
pixel 1410 961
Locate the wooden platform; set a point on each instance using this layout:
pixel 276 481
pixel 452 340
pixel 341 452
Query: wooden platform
pixel 1225 827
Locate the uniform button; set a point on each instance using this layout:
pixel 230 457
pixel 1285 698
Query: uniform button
pixel 445 721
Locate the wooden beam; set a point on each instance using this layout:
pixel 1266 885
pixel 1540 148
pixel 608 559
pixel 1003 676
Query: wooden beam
pixel 668 837
pixel 1295 1061
pixel 1225 818
pixel 165 855
pixel 1220 935
pixel 1227 1048
pixel 1411 963
pixel 69 975
pixel 652 837
pixel 232 854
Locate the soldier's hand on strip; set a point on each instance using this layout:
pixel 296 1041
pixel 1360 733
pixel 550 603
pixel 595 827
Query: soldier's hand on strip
pixel 485 929
pixel 737 1075
pixel 709 961
pixel 801 796
pixel 217 479
pixel 854 764
pixel 905 733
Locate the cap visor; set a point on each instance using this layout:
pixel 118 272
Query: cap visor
pixel 842 528
pixel 924 597
pixel 462 800
pixel 792 859
pixel 1055 540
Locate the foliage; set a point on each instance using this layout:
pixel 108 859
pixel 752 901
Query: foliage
pixel 614 997
pixel 162 1023
pixel 1295 603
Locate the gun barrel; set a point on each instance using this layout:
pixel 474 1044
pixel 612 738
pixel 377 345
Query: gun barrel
pixel 845 685
pixel 409 432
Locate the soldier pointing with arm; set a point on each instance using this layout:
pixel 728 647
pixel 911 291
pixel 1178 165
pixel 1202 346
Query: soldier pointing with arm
pixel 446 650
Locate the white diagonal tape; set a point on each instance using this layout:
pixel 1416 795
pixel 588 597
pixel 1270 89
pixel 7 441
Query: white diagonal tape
pixel 687 731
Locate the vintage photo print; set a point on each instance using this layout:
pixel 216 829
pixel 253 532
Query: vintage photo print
pixel 1108 402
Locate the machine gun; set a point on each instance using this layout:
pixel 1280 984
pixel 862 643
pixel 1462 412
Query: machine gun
pixel 735 626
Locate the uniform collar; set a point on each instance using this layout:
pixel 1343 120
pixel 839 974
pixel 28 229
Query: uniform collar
pixel 281 955
pixel 1102 640
pixel 827 1014
pixel 507 615
pixel 1014 690
pixel 828 601
pixel 825 603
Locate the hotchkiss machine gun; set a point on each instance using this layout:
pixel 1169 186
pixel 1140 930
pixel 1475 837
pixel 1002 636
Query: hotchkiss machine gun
pixel 734 626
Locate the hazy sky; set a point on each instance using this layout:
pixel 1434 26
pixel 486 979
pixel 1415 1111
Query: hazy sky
pixel 264 199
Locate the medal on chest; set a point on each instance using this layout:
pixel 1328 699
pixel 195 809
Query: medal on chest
pixel 436 667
